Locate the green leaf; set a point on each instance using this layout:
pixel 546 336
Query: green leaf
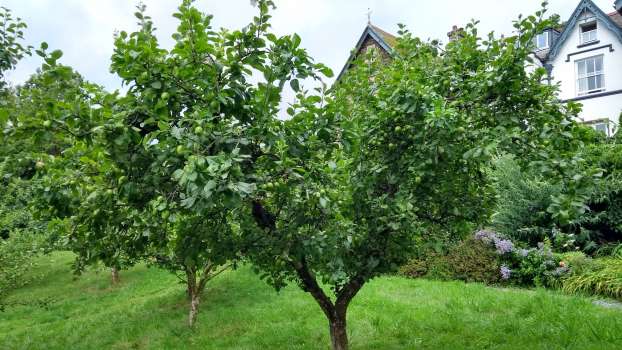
pixel 56 54
pixel 295 84
pixel 296 40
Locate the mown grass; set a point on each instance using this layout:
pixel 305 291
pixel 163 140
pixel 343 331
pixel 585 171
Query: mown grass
pixel 148 311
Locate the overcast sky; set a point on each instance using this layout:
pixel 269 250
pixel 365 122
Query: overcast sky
pixel 83 29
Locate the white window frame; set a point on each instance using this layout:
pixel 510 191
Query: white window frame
pixel 578 76
pixel 548 40
pixel 593 32
pixel 594 124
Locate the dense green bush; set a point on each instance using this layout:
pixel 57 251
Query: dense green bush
pixel 430 264
pixel 470 260
pixel 537 267
pixel 601 226
pixel 524 199
pixel 16 259
pixel 414 268
pixel 474 261
pixel 576 262
pixel 21 235
pixel 522 202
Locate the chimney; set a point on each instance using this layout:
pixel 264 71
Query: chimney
pixel 458 32
pixel 618 6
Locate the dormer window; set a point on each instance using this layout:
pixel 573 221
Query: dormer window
pixel 589 32
pixel 542 41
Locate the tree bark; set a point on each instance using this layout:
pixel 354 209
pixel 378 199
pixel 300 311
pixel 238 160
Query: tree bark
pixel 188 289
pixel 194 293
pixel 194 309
pixel 338 330
pixel 335 312
pixel 115 275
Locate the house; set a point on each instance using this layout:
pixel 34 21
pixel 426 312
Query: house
pixel 584 57
pixel 372 37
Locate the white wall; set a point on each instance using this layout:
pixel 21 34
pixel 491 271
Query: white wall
pixel 603 107
pixel 565 73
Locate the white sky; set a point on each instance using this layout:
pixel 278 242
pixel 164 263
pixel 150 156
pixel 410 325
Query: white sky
pixel 83 29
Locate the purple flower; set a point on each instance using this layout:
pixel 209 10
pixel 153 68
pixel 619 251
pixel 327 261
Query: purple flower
pixel 524 252
pixel 505 272
pixel 485 236
pixel 504 246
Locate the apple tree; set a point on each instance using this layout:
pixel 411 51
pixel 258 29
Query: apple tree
pixel 198 116
pixel 398 149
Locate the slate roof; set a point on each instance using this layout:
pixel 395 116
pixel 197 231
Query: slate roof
pixel 388 38
pixel 616 17
pixel 385 40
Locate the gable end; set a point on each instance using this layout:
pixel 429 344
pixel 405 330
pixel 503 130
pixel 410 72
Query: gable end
pixel 370 33
pixel 572 22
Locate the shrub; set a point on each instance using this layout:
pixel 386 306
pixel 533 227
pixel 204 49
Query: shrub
pixel 414 268
pixel 439 268
pixel 430 265
pixel 474 261
pixel 575 261
pixel 538 267
pixel 21 236
pixel 522 202
pixel 16 259
pixel 604 277
pixel 471 260
pixel 534 266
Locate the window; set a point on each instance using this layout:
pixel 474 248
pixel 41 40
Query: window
pixel 589 33
pixel 590 75
pixel 542 41
pixel 601 126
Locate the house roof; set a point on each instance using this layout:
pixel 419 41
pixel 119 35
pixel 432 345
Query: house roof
pixel 387 41
pixel 611 21
pixel 383 39
pixel 388 38
pixel 616 17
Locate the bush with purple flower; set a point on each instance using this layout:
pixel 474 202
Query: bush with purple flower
pixel 523 266
pixel 506 272
pixel 503 246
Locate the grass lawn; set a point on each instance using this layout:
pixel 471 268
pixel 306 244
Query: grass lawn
pixel 148 311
